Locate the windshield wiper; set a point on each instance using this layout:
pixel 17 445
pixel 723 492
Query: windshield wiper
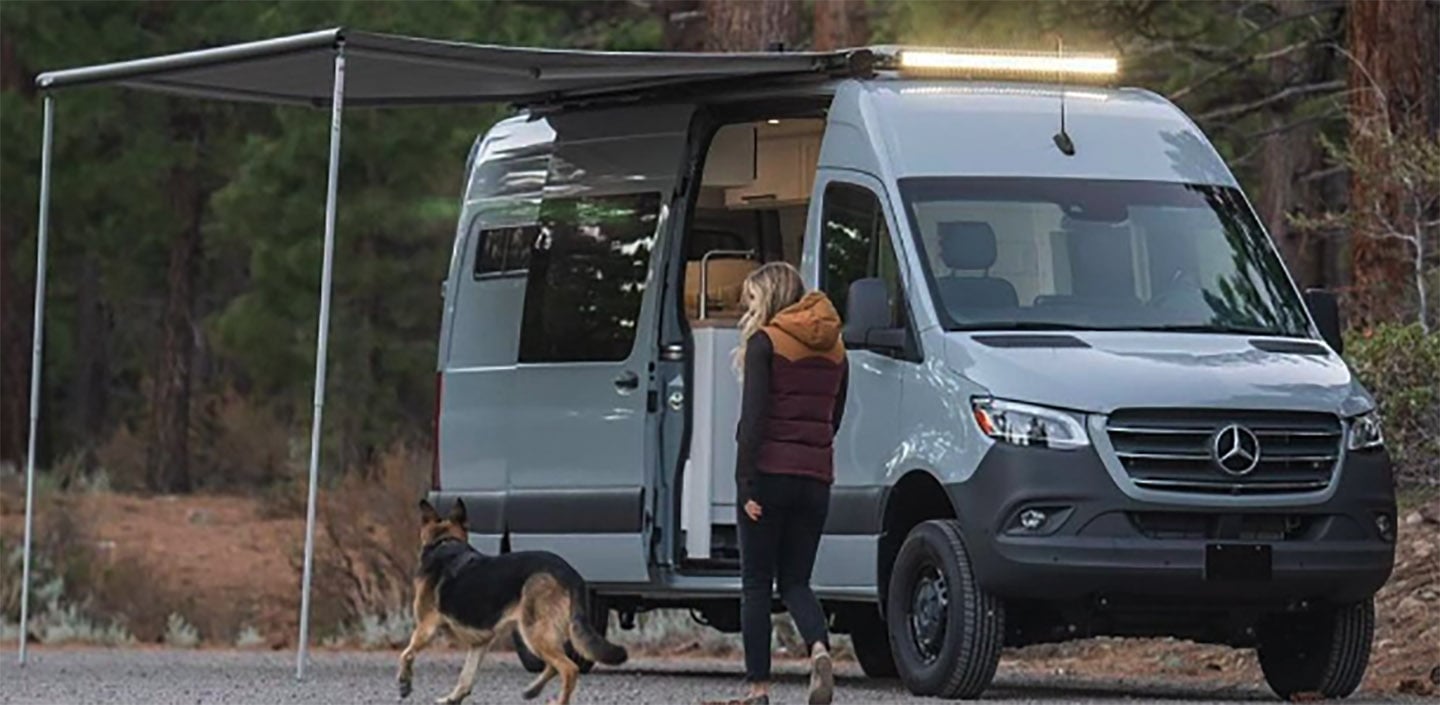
pixel 1021 325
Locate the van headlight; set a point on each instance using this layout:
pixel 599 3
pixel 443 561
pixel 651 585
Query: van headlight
pixel 1365 432
pixel 1029 425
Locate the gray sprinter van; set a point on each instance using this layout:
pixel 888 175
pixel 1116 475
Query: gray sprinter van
pixel 1086 398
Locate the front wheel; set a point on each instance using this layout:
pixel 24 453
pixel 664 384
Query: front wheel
pixel 1321 652
pixel 946 631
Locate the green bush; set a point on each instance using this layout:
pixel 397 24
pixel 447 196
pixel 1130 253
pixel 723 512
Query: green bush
pixel 1400 365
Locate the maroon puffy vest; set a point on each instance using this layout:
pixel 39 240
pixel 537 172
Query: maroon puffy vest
pixel 805 377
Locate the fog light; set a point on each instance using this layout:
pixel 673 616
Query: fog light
pixel 1032 519
pixel 1385 524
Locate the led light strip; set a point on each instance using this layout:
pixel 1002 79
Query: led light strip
pixel 1034 64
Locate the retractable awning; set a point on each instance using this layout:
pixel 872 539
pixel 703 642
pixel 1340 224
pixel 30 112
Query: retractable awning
pixel 333 67
pixel 386 70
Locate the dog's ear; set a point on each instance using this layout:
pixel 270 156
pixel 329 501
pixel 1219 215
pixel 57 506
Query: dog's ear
pixel 427 512
pixel 457 512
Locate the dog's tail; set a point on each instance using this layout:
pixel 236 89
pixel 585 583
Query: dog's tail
pixel 593 646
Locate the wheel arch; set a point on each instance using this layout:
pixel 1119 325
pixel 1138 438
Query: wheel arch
pixel 918 496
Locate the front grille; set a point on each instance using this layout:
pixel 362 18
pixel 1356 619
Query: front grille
pixel 1244 527
pixel 1173 450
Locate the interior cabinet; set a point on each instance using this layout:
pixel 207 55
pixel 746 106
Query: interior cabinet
pixel 785 163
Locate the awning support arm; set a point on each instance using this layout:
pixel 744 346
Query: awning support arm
pixel 36 359
pixel 322 345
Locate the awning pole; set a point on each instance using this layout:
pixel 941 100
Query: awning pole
pixel 36 358
pixel 322 344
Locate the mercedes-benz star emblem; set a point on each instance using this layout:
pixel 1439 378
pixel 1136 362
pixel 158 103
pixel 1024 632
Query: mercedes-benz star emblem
pixel 1235 449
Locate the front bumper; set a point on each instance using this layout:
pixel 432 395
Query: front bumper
pixel 1098 543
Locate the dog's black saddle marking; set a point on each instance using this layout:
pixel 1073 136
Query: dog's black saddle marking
pixel 476 590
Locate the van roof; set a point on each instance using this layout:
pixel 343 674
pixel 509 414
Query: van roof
pixel 975 128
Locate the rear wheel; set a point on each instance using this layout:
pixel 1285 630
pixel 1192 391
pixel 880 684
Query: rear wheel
pixel 1322 652
pixel 871 642
pixel 946 632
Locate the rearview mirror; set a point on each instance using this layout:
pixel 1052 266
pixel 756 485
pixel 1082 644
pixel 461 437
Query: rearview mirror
pixel 1325 310
pixel 867 317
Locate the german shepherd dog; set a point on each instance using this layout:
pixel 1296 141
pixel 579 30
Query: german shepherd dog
pixel 481 598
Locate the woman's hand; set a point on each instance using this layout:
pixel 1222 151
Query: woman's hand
pixel 752 510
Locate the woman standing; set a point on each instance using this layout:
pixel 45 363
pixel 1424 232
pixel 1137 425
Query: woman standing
pixel 794 380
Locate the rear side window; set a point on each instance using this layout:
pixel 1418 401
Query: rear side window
pixel 504 250
pixel 586 281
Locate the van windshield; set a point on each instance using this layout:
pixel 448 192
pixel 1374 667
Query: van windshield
pixel 1098 255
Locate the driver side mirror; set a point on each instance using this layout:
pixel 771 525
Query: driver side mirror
pixel 1325 310
pixel 867 318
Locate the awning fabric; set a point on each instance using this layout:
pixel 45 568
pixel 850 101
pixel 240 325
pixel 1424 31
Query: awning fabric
pixel 384 69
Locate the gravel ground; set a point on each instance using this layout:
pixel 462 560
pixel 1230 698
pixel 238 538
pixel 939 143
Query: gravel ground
pixel 160 676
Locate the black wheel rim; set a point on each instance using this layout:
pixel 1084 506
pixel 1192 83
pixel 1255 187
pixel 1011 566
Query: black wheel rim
pixel 929 612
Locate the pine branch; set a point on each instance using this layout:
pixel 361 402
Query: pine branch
pixel 1281 96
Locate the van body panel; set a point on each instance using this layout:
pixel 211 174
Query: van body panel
pixel 500 415
pixel 584 427
pixel 940 436
pixel 481 322
pixel 869 438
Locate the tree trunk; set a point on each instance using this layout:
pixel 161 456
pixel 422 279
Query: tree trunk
pixel 1291 151
pixel 746 25
pixel 1393 91
pixel 16 299
pixel 840 24
pixel 14 355
pixel 170 401
pixel 90 386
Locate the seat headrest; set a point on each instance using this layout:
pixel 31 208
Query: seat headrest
pixel 967 244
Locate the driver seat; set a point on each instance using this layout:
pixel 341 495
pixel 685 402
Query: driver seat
pixel 970 245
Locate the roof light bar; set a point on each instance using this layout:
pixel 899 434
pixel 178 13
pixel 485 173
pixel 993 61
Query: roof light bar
pixel 1030 65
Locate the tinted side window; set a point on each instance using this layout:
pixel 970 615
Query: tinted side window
pixel 587 278
pixel 504 250
pixel 855 244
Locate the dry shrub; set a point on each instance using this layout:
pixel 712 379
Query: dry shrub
pixel 239 444
pixel 366 537
pixel 124 458
pixel 74 578
pixel 124 589
pixel 235 445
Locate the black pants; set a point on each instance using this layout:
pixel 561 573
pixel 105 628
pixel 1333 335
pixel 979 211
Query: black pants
pixel 781 545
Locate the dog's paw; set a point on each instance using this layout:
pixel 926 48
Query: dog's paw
pixel 405 689
pixel 451 699
pixel 532 692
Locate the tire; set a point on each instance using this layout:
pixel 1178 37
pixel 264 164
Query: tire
pixel 1322 652
pixel 871 642
pixel 945 631
pixel 599 619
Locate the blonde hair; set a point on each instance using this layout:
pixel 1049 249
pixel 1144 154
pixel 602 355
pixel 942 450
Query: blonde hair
pixel 766 291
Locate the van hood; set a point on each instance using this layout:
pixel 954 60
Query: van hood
pixel 1100 372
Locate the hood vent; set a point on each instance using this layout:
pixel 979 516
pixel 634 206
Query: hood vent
pixel 1293 347
pixel 1030 340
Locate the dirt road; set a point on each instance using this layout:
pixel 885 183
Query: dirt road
pixel 159 677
